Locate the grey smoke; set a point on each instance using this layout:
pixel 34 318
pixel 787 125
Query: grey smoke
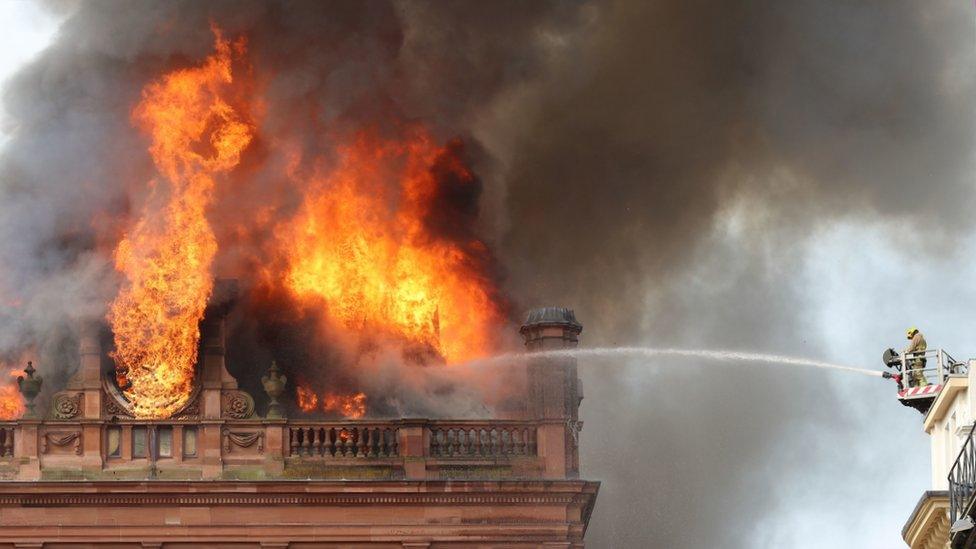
pixel 663 167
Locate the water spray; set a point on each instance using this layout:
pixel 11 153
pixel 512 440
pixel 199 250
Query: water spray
pixel 649 352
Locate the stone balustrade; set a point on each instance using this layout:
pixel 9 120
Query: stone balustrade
pixel 127 448
pixel 488 439
pixel 343 440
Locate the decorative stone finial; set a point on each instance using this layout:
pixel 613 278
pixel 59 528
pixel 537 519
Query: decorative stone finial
pixel 30 387
pixel 274 385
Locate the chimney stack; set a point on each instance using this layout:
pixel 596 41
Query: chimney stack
pixel 554 390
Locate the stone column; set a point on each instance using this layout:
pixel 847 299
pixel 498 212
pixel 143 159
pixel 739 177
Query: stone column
pixel 554 390
pixel 412 444
pixel 214 378
pixel 88 378
pixel 26 449
pixel 88 381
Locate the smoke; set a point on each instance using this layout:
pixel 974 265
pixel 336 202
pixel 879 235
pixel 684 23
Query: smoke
pixel 668 175
pixel 663 167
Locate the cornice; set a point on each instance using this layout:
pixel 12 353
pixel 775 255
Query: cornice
pixel 210 493
pixel 96 499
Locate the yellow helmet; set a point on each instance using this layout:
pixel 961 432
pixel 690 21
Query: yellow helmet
pixel 911 331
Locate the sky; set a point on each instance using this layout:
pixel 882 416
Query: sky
pixel 27 29
pixel 827 198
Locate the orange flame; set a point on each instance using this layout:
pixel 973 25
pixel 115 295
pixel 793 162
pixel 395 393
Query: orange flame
pixel 308 401
pixel 11 401
pixel 362 246
pixel 166 257
pixel 350 406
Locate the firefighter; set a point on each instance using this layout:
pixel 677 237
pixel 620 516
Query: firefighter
pixel 914 358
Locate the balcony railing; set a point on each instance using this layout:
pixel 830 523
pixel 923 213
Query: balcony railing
pixel 481 439
pixel 962 480
pixel 288 448
pixel 343 440
pixel 933 366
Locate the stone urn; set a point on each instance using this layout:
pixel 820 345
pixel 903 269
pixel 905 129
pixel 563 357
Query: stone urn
pixel 274 385
pixel 30 387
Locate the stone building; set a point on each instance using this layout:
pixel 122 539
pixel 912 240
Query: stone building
pixel 949 408
pixel 219 474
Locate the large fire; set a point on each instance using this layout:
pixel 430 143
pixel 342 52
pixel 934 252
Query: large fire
pixel 380 239
pixel 167 255
pixel 11 401
pixel 364 249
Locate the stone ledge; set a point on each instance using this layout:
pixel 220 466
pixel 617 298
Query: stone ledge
pixel 365 513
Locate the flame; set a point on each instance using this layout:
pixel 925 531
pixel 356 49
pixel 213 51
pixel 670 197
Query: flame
pixel 308 401
pixel 362 245
pixel 166 257
pixel 349 406
pixel 11 401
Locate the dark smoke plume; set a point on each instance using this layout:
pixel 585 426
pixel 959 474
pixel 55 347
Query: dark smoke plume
pixel 661 166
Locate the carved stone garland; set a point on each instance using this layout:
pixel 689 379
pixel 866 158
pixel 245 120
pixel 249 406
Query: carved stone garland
pixel 61 438
pixel 243 439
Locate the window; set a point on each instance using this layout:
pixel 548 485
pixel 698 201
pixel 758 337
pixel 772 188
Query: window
pixel 189 442
pixel 165 438
pixel 113 442
pixel 138 442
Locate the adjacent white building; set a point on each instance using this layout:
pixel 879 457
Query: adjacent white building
pixel 950 410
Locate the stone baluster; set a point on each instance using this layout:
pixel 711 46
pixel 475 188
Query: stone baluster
pixel 319 437
pixel 327 436
pixel 364 442
pixel 476 447
pixel 457 442
pixel 292 441
pixel 394 445
pixel 8 441
pixel 307 444
pixel 346 442
pixel 435 445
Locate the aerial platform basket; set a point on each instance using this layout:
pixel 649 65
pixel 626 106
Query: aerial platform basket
pixel 922 375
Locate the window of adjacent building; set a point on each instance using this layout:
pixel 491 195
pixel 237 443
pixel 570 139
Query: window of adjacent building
pixel 165 437
pixel 952 439
pixel 113 441
pixel 138 442
pixel 947 444
pixel 189 442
